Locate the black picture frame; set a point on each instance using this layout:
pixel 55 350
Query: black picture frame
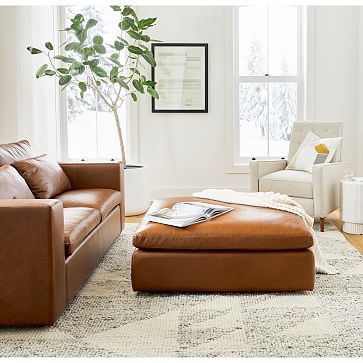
pixel 202 45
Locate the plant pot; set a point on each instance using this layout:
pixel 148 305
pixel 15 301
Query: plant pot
pixel 136 192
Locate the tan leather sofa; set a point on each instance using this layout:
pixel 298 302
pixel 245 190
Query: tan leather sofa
pixel 49 247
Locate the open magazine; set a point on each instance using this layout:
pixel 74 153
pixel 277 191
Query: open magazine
pixel 184 214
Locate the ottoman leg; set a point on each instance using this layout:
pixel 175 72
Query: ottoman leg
pixel 322 220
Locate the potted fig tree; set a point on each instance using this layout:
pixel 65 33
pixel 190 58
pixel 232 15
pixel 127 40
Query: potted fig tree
pixel 88 63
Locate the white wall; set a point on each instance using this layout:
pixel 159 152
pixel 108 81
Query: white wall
pixel 359 137
pixel 336 69
pixel 185 152
pixel 8 116
pixel 28 105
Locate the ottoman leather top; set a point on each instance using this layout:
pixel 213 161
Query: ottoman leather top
pixel 244 228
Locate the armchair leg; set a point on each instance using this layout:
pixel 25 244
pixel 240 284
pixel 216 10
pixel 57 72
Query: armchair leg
pixel 322 220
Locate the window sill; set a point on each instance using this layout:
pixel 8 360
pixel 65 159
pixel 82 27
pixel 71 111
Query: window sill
pixel 241 168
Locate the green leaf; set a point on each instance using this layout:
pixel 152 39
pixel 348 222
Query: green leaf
pixel 33 50
pixel 116 8
pixel 91 23
pixel 134 97
pixel 64 59
pixel 98 83
pixel 64 80
pixel 119 45
pixel 82 35
pixel 135 70
pixel 151 91
pixel 92 63
pixel 76 27
pixel 114 74
pixel 134 34
pixel 122 40
pixel 127 23
pixel 150 83
pixel 134 49
pixel 148 56
pixel 82 86
pixel 138 85
pixel 63 70
pixel 41 70
pixel 77 68
pixel 122 83
pixel 97 39
pixel 100 72
pixel 115 56
pixel 73 46
pixel 78 19
pixel 49 72
pixel 145 38
pixel 129 11
pixel 49 45
pixel 99 48
pixel 115 61
pixel 146 23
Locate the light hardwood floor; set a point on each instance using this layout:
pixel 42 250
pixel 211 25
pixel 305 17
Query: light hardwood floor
pixel 355 240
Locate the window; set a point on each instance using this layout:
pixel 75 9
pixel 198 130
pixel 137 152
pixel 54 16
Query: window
pixel 269 75
pixel 88 127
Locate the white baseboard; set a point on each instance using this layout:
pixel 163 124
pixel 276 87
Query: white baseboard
pixel 168 192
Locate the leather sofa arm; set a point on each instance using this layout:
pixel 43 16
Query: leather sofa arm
pixel 32 262
pixel 326 187
pixel 95 175
pixel 260 168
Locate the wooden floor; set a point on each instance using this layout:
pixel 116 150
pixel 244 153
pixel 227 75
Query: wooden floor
pixel 355 240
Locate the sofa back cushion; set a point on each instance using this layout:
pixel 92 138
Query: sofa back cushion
pixel 44 176
pixel 12 185
pixel 15 151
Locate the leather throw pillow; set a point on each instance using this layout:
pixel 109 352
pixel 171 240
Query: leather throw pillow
pixel 44 176
pixel 15 151
pixel 12 185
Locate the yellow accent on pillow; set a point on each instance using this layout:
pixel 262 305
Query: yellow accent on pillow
pixel 322 149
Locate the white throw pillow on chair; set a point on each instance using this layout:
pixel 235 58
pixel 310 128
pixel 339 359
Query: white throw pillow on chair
pixel 314 150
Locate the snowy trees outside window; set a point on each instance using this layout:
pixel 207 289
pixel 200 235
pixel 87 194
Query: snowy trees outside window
pixel 268 74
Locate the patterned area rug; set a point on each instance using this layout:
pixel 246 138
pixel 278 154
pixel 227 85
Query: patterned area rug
pixel 108 319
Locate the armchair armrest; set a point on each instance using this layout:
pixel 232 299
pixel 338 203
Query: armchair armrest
pixel 95 175
pixel 32 262
pixel 259 168
pixel 326 178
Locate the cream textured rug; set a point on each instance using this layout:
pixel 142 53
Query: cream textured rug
pixel 108 319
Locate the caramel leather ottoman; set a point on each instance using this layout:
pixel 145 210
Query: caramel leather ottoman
pixel 248 249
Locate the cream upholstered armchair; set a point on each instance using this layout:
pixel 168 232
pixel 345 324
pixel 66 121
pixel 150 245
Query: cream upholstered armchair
pixel 317 192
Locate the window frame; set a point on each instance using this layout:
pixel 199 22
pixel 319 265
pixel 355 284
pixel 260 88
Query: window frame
pixel 132 128
pixel 239 161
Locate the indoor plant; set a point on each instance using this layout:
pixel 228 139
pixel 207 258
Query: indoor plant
pixel 91 64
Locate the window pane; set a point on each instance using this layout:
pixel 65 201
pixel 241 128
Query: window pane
pixel 81 124
pixel 282 114
pixel 282 40
pixel 91 128
pixel 253 119
pixel 252 41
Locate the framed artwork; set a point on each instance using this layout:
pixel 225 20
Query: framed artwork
pixel 182 77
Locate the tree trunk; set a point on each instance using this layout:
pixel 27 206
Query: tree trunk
pixel 120 137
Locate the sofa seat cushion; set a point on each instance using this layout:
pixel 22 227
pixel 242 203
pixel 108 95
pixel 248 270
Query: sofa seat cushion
pixel 12 185
pixel 244 228
pixel 102 199
pixel 78 224
pixel 294 183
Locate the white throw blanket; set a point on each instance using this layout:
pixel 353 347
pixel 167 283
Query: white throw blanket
pixel 274 201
